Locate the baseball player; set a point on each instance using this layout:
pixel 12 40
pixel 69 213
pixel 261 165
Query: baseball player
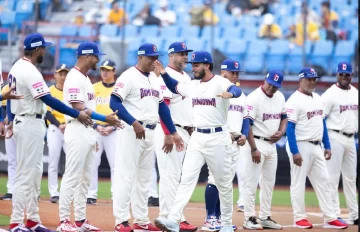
pixel 139 102
pixel 26 117
pixel 305 131
pixel 170 164
pixel 153 190
pixel 341 112
pixel 106 134
pixel 80 141
pixel 238 126
pixel 55 132
pixel 210 142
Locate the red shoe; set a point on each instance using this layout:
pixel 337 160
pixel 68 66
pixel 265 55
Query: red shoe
pixel 303 224
pixel 123 227
pixel 336 224
pixel 145 228
pixel 186 227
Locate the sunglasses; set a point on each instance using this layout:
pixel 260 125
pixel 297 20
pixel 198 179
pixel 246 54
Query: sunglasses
pixel 344 74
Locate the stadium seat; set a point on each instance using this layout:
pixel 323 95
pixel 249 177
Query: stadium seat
pixel 20 17
pixel 276 57
pixel 354 36
pixel 250 33
pixel 170 31
pixel 109 30
pixel 149 30
pixel 228 21
pixel 131 31
pixel 344 52
pixel 255 57
pixel 232 33
pixel 295 58
pixel 248 20
pixel 190 31
pixel 24 6
pixel 220 44
pixel 206 32
pixel 68 56
pixel 7 18
pixel 133 47
pixel 323 49
pixel 195 43
pixel 236 50
pixel 8 5
pixel 69 30
pixel 87 31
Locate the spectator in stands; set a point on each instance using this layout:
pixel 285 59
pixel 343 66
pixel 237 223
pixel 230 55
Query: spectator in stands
pixel 329 18
pixel 203 15
pixel 145 17
pixel 269 29
pixel 291 34
pixel 79 17
pixel 97 15
pixel 258 7
pixel 312 16
pixel 236 7
pixel 312 30
pixel 117 15
pixel 166 16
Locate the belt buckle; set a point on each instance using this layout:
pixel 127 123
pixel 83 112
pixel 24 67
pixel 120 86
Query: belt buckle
pixel 262 138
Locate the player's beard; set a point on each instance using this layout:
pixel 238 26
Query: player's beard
pixel 200 76
pixel 40 59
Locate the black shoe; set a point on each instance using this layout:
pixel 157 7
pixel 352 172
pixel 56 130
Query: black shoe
pixel 153 201
pixel 54 199
pixel 91 201
pixel 356 221
pixel 6 197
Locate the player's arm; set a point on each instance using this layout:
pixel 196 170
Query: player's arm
pixel 163 126
pixel 49 116
pixel 326 141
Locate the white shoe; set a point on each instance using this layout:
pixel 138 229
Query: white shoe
pixel 87 227
pixel 251 224
pixel 268 223
pixel 227 229
pixel 166 224
pixel 66 226
pixel 211 223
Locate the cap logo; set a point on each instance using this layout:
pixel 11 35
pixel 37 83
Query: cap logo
pixel 154 48
pixel 183 45
pixel 312 70
pixel 63 66
pixel 88 51
pixel 170 50
pixel 141 52
pixel 223 66
pixel 106 62
pixel 344 66
pixel 36 44
pixel 236 64
pixel 276 77
pixel 193 56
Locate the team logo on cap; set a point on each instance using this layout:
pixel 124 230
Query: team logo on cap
pixel 63 66
pixel 193 56
pixel 154 48
pixel 344 66
pixel 312 70
pixel 106 62
pixel 183 45
pixel 276 77
pixel 236 64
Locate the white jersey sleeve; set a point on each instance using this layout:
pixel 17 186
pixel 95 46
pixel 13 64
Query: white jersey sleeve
pixel 292 110
pixel 327 103
pixel 225 85
pixel 122 87
pixel 236 114
pixel 37 86
pixel 251 106
pixel 74 91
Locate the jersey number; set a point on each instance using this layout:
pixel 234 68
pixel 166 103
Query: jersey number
pixel 12 82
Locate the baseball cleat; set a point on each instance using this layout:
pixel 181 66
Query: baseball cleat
pixel 153 202
pixel 251 224
pixel 123 227
pixel 240 208
pixel 54 199
pixel 211 223
pixel 227 229
pixel 219 223
pixel 91 201
pixel 66 226
pixel 14 227
pixel 86 226
pixel 268 223
pixel 6 197
pixel 341 220
pixel 40 228
pixel 145 228
pixel 187 227
pixel 165 224
pixel 336 224
pixel 303 224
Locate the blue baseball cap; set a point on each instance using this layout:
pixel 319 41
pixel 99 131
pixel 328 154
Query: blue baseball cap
pixel 108 64
pixel 35 40
pixel 344 67
pixel 308 73
pixel 201 57
pixel 178 47
pixel 89 48
pixel 148 49
pixel 62 67
pixel 231 65
pixel 275 78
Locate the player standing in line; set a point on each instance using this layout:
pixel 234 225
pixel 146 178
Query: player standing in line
pixel 305 131
pixel 80 141
pixel 106 136
pixel 210 142
pixel 55 132
pixel 26 116
pixel 139 102
pixel 268 120
pixel 170 164
pixel 238 125
pixel 153 200
pixel 341 112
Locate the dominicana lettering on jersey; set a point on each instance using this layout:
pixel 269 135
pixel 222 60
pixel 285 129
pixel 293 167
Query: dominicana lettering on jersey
pixel 204 101
pixel 237 108
pixel 271 116
pixel 148 92
pixel 348 107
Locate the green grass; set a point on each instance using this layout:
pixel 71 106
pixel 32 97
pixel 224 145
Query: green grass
pixel 281 197
pixel 4 220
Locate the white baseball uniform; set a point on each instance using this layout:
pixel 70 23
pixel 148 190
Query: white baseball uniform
pixel 341 109
pixel 79 148
pixel 170 164
pixel 214 148
pixel 307 113
pixel 266 113
pixel 29 132
pixel 140 96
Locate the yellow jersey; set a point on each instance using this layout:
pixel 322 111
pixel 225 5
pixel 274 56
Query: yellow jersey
pixel 5 88
pixel 58 94
pixel 102 96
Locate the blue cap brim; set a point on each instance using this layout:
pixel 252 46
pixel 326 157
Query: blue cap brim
pixel 99 54
pixel 188 50
pixel 233 70
pixel 274 83
pixel 47 44
pixel 347 72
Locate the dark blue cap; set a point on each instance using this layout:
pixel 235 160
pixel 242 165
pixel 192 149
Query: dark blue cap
pixel 201 57
pixel 89 48
pixel 108 64
pixel 275 78
pixel 231 65
pixel 61 67
pixel 35 40
pixel 148 49
pixel 308 73
pixel 178 47
pixel 344 67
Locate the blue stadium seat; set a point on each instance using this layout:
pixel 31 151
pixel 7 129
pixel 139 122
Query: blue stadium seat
pixel 131 31
pixel 149 30
pixel 228 21
pixel 67 56
pixel 248 20
pixel 354 35
pixel 8 5
pixel 25 6
pixel 190 31
pixel 195 43
pixel 20 17
pixel 109 30
pixel 236 50
pixel 323 49
pixel 206 32
pixel 7 18
pixel 295 59
pixel 221 44
pixel 344 52
pixel 250 33
pixel 232 32
pixel 170 31
pixel 87 31
pixel 255 57
pixel 133 47
pixel 276 57
pixel 69 30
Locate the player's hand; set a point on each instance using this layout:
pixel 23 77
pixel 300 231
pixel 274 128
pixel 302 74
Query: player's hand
pixel 2 129
pixel 327 154
pixel 9 131
pixel 297 159
pixel 101 130
pixel 225 95
pixel 168 144
pixel 62 127
pixel 242 140
pixel 159 68
pixel 179 143
pixel 85 119
pixel 139 130
pixel 113 120
pixel 276 137
pixel 9 95
pixel 256 156
pixel 108 130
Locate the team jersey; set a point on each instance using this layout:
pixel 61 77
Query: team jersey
pixel 140 95
pixel 58 94
pixel 265 111
pixel 208 109
pixel 29 82
pixel 236 113
pixel 307 112
pixel 78 88
pixel 341 108
pixel 102 96
pixel 5 88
